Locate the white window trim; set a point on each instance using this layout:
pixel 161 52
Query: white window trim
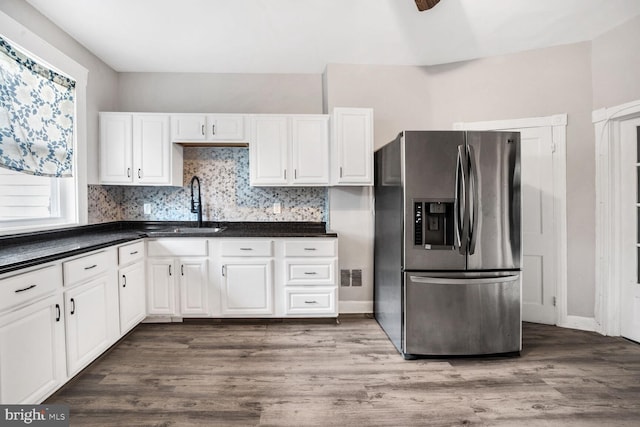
pixel 609 228
pixel 558 123
pixel 26 40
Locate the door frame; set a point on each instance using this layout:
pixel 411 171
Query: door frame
pixel 558 124
pixel 609 227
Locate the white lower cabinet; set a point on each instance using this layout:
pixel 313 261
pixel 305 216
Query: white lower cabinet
pixel 133 307
pixel 88 322
pixel 247 287
pixel 32 352
pixel 177 285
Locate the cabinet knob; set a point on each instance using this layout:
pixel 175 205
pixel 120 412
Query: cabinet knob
pixel 124 281
pixel 213 129
pixel 58 312
pixel 202 130
pixel 139 173
pixel 128 172
pixel 73 306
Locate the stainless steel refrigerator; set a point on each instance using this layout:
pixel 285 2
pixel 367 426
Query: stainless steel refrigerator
pixel 448 242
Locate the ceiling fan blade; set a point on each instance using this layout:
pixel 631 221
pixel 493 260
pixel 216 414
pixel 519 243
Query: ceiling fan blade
pixel 426 4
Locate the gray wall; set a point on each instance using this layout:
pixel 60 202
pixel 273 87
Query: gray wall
pixel 535 83
pixel 615 63
pixel 102 81
pixel 220 93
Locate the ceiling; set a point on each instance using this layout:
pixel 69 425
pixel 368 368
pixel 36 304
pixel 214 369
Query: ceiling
pixel 303 36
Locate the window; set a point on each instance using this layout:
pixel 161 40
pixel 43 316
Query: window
pixel 37 142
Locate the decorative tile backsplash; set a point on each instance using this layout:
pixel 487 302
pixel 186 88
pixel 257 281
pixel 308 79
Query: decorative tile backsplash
pixel 226 194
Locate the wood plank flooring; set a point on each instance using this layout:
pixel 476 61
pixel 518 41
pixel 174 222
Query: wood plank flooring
pixel 323 374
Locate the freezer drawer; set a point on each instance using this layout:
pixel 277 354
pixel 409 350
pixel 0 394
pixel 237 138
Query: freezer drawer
pixel 462 314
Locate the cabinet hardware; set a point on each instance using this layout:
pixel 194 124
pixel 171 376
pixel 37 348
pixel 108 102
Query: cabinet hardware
pixel 202 130
pixel 139 173
pixel 128 172
pixel 310 273
pixel 223 270
pixel 295 174
pixel 17 291
pixel 124 282
pixel 182 269
pixel 246 249
pixel 213 129
pixel 91 266
pixel 340 171
pixel 169 269
pixel 310 249
pixel 285 174
pixel 58 314
pixel 133 253
pixel 311 302
pixel 73 304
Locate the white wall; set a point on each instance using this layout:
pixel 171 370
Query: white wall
pixel 220 93
pixel 535 83
pixel 102 80
pixel 615 65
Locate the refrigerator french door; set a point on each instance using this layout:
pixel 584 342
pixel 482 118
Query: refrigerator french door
pixel 450 283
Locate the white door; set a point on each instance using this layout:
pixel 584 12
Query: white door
pixel 151 149
pixel 225 127
pixel 188 127
pixel 194 298
pixel 116 149
pixel 310 150
pixel 247 287
pixel 630 197
pixel 268 154
pixel 538 241
pixel 352 146
pixel 160 286
pixel 133 305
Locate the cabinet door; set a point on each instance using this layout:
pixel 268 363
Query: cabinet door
pixel 160 286
pixel 151 149
pixel 268 152
pixel 116 149
pixel 194 298
pixel 226 127
pixel 353 146
pixel 87 319
pixel 32 354
pixel 188 127
pixel 310 150
pixel 132 296
pixel 247 287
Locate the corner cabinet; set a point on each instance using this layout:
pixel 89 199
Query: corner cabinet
pixel 289 150
pixel 136 149
pixel 352 146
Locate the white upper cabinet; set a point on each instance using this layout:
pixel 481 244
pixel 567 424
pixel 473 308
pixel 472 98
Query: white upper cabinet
pixel 310 150
pixel 116 148
pixel 289 150
pixel 208 127
pixel 269 150
pixel 135 149
pixel 352 146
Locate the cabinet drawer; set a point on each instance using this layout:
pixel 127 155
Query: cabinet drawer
pixel 79 269
pixel 310 272
pixel 131 253
pixel 177 247
pixel 262 248
pixel 25 287
pixel 319 247
pixel 311 301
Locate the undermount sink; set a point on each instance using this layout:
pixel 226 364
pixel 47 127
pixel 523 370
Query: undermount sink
pixel 194 230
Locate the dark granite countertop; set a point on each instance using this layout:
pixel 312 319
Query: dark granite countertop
pixel 28 249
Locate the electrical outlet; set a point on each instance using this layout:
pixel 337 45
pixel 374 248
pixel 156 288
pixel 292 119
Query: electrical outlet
pixel 277 208
pixel 147 208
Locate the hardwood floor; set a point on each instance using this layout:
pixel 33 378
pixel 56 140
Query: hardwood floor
pixel 323 374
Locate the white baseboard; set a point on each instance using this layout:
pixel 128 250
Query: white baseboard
pixel 579 322
pixel 355 307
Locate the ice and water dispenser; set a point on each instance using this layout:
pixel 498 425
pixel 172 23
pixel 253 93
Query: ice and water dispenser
pixel 433 223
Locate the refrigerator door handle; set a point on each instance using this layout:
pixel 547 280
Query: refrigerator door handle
pixel 474 199
pixel 459 206
pixel 463 281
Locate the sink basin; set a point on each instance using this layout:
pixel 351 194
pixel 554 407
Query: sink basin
pixel 203 230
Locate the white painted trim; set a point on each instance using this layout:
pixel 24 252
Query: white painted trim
pixel 355 307
pixel 578 322
pixel 609 229
pixel 558 123
pixel 41 49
